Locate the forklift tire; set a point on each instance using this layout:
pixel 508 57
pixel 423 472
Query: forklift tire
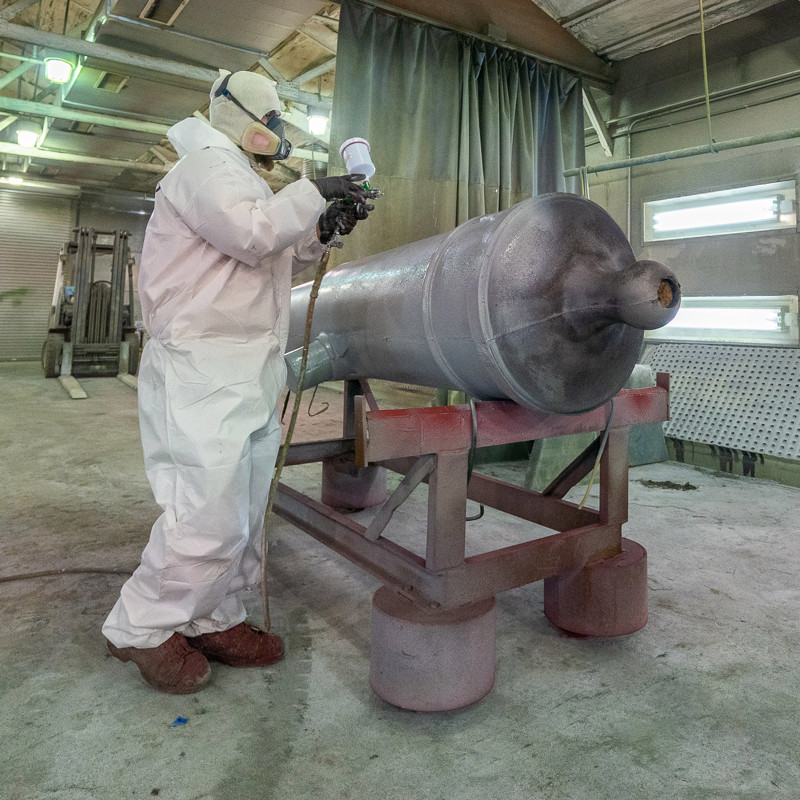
pixel 133 352
pixel 51 355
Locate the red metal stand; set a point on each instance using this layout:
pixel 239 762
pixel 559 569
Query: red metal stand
pixel 595 581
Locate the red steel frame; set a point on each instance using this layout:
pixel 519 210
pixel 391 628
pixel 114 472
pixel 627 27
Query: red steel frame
pixel 433 445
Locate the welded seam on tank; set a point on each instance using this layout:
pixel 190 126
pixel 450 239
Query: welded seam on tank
pixel 427 317
pixel 487 348
pixel 581 310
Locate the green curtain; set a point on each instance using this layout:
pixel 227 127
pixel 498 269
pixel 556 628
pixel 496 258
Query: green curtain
pixel 457 127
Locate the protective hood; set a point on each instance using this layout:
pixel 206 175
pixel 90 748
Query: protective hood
pixel 193 134
pixel 257 95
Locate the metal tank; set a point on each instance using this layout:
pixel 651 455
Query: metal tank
pixel 544 304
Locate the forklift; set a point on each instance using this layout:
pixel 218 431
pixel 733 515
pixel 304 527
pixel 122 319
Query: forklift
pixel 91 329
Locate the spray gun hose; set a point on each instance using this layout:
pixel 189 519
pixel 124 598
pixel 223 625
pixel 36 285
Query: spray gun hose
pixel 273 489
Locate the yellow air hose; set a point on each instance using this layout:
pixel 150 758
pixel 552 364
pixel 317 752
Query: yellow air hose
pixel 273 489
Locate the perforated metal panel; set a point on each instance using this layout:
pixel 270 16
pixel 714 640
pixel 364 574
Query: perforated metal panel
pixel 745 398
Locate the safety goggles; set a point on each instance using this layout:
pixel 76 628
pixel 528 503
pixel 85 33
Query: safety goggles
pixel 268 139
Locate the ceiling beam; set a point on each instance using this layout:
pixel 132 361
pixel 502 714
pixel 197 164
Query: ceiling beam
pixel 15 73
pixel 598 123
pixel 305 77
pixel 60 112
pixel 22 33
pixel 164 156
pixel 310 155
pixel 9 12
pixel 289 90
pixel 17 57
pixel 52 155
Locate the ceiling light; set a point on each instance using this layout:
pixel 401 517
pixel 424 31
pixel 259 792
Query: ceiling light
pixel 57 70
pixel 14 180
pixel 27 137
pixel 317 121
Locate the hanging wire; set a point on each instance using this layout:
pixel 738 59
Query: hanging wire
pixel 593 476
pixel 711 141
pixel 323 409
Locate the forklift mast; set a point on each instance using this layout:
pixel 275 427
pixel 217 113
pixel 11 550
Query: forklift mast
pixel 91 329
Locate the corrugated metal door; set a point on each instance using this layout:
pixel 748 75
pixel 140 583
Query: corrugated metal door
pixel 33 228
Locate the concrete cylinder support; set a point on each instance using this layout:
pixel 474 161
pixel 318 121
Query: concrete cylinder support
pixel 431 660
pixel 607 598
pixel 346 486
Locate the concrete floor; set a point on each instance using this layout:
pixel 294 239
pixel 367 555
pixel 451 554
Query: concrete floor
pixel 701 704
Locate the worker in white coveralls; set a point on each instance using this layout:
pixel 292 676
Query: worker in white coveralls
pixel 215 278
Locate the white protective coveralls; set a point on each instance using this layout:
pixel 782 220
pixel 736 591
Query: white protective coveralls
pixel 214 285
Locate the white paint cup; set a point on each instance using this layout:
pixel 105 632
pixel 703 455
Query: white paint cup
pixel 355 153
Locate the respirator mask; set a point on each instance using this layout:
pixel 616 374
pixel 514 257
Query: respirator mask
pixel 259 138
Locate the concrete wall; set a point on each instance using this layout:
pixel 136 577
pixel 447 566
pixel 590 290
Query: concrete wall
pixel 757 48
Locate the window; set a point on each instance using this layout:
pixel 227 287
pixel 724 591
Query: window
pixel 770 206
pixel 733 320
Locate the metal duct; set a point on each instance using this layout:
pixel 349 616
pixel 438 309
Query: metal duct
pixel 544 304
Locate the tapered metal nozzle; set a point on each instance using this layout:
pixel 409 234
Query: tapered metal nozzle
pixel 646 295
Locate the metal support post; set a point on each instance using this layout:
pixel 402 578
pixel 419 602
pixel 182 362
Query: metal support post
pixel 614 478
pixel 83 280
pixel 345 483
pixel 119 258
pixel 351 390
pixel 447 511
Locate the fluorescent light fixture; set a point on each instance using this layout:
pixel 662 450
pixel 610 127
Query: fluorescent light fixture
pixel 734 320
pixel 14 180
pixel 317 123
pixel 743 211
pixel 26 137
pixel 743 319
pixel 57 70
pixel 770 206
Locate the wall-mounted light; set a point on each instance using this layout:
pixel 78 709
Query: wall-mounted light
pixel 57 69
pixel 28 136
pixel 317 121
pixel 737 213
pixel 741 320
pixel 769 206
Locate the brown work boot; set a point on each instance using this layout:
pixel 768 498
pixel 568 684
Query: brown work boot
pixel 172 667
pixel 240 646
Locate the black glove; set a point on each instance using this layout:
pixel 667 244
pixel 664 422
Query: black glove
pixel 341 186
pixel 341 217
